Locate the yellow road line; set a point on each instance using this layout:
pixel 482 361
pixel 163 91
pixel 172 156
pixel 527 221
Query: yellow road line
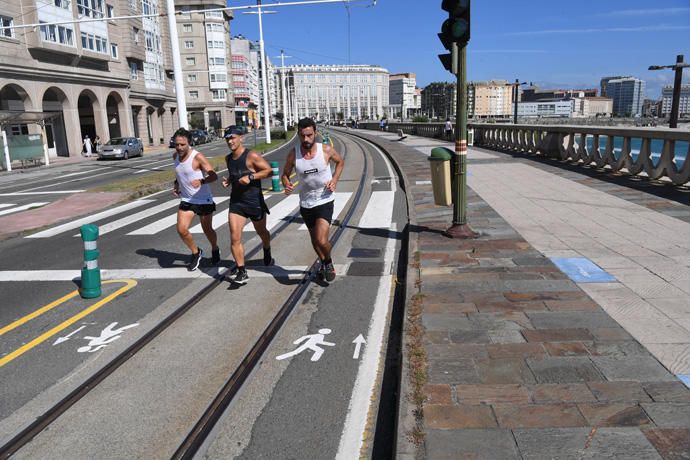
pixel 38 312
pixel 64 325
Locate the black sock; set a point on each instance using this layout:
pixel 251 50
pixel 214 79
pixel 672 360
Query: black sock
pixel 240 268
pixel 327 261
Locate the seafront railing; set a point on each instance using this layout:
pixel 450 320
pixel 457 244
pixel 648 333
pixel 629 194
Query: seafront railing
pixel 659 153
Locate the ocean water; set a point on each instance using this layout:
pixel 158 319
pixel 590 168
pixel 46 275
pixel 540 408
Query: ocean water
pixel 681 149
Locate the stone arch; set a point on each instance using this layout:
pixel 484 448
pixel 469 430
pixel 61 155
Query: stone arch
pixel 15 98
pixel 89 108
pixel 115 114
pixel 55 100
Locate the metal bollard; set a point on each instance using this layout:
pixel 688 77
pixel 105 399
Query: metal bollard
pixel 90 273
pixel 277 187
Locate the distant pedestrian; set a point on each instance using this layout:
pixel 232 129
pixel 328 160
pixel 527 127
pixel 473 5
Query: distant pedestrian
pixel 97 143
pixel 448 129
pixel 193 173
pixel 382 125
pixel 88 146
pixel 246 168
pixel 312 161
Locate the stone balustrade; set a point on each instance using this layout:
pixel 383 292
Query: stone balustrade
pixel 659 153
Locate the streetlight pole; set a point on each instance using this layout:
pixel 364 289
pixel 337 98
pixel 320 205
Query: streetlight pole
pixel 677 84
pixel 516 92
pixel 264 69
pixel 283 87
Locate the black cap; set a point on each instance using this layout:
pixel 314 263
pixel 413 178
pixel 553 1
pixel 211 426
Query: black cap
pixel 234 131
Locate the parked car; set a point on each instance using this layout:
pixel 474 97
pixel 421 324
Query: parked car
pixel 199 136
pixel 242 128
pixel 121 147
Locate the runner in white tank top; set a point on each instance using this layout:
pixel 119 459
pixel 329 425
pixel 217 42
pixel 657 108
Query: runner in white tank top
pixel 192 174
pixel 317 187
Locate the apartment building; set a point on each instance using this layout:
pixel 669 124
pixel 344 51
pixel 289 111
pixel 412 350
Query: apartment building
pixel 205 50
pixel 667 100
pixel 402 95
pixel 628 95
pixel 325 91
pixel 108 78
pixel 438 100
pixel 490 99
pixel 245 78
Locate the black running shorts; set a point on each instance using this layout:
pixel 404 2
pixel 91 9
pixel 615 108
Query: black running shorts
pixel 255 214
pixel 324 211
pixel 199 209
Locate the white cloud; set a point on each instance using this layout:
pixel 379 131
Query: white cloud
pixel 656 28
pixel 648 12
pixel 506 51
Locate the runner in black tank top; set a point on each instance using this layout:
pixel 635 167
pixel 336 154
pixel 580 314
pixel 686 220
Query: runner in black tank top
pixel 246 168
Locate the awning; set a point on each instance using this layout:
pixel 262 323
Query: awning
pixel 13 118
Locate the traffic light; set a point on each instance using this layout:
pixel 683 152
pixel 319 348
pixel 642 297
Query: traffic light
pixel 456 29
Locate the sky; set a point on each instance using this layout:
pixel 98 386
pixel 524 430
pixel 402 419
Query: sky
pixel 552 43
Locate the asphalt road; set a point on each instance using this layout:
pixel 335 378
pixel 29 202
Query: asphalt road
pixel 324 403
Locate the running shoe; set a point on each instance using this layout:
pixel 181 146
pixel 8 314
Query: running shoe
pixel 329 272
pixel 196 260
pixel 268 260
pixel 215 256
pixel 241 277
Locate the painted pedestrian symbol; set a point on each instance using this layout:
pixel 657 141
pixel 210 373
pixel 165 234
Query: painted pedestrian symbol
pixel 108 336
pixel 311 342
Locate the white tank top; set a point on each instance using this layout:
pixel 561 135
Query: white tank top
pixel 313 175
pixel 185 175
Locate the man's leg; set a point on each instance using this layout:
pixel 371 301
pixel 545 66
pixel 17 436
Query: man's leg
pixel 207 227
pixel 184 219
pixel 265 235
pixel 319 238
pixel 236 224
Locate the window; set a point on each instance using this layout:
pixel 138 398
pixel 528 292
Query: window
pixel 94 43
pixel 110 11
pixel 215 27
pixel 113 50
pixel 218 94
pixel 90 8
pixel 6 22
pixel 218 77
pixel 133 71
pixel 149 7
pixel 216 61
pixel 190 61
pixel 186 28
pixel 194 94
pixel 214 14
pixel 135 34
pixel 57 34
pixel 191 78
pixel 188 44
pixel 62 4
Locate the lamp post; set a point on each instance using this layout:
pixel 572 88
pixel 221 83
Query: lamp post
pixel 283 87
pixel 264 69
pixel 516 92
pixel 677 83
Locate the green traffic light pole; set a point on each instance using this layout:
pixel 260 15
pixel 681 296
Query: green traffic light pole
pixel 460 227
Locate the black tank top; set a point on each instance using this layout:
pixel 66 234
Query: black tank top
pixel 249 195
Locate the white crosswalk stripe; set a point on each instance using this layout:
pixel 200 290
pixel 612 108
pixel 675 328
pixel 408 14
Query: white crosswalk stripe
pixel 379 211
pixel 109 227
pixel 6 205
pixel 22 208
pixel 88 219
pixel 166 222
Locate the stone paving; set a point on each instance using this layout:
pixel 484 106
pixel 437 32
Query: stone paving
pixel 522 362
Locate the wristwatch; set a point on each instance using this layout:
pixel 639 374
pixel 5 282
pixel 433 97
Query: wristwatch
pixel 203 181
pixel 251 177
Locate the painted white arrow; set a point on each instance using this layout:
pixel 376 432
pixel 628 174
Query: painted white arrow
pixel 59 340
pixel 358 344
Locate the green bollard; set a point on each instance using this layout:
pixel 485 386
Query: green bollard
pixel 90 273
pixel 277 187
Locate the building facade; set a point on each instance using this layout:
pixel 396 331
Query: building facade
pixel 402 95
pixel 547 109
pixel 335 92
pixel 667 100
pixel 593 107
pixel 439 100
pixel 105 78
pixel 205 50
pixel 245 77
pixel 490 99
pixel 628 95
pixel 535 94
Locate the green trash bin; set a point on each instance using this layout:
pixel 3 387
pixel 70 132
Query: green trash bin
pixel 440 162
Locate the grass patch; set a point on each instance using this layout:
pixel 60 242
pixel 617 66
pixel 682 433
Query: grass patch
pixel 137 187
